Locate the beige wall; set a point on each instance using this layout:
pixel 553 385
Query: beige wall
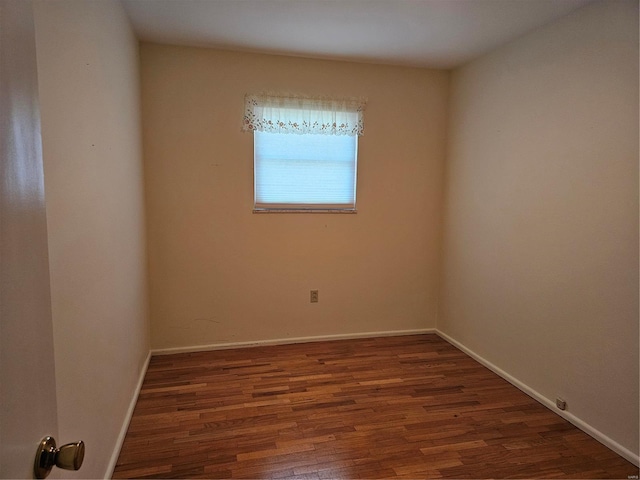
pixel 89 95
pixel 218 272
pixel 541 221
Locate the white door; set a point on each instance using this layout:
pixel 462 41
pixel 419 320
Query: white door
pixel 28 409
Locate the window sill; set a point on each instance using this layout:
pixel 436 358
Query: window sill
pixel 301 210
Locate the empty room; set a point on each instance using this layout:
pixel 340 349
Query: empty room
pixel 319 239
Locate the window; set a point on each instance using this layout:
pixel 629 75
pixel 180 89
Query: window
pixel 308 171
pixel 305 152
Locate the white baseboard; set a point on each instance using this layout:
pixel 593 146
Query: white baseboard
pixel 284 341
pixel 581 424
pixel 125 424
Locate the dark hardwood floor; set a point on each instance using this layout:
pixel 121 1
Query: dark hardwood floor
pixel 393 407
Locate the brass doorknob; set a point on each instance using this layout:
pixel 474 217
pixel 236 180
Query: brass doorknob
pixel 69 457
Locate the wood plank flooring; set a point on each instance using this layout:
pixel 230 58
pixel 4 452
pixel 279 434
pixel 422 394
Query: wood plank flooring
pixel 393 407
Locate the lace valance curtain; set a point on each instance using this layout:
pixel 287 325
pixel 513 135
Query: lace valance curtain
pixel 303 115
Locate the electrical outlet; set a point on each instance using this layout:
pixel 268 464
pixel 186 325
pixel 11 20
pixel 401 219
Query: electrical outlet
pixel 561 404
pixel 314 296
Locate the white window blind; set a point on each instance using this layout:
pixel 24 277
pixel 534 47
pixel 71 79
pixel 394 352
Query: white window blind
pixel 305 171
pixel 305 151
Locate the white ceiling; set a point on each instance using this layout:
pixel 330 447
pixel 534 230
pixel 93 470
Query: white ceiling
pixel 422 33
